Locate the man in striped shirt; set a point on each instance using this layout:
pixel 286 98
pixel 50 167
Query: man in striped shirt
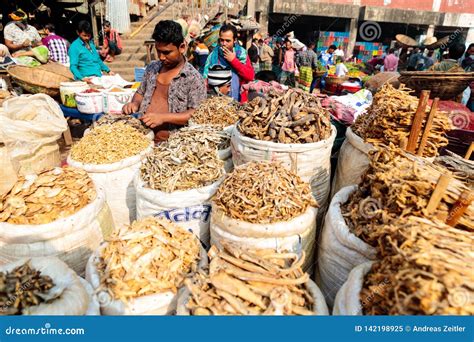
pixel 56 45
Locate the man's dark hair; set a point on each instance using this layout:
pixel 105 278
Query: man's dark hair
pixel 84 27
pixel 169 32
pixel 50 27
pixel 333 47
pixel 266 76
pixel 199 39
pixel 260 41
pixel 229 27
pixel 392 50
pixel 254 40
pixel 107 24
pixel 456 51
pixel 311 44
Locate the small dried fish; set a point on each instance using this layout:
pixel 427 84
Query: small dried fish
pixel 292 118
pixel 109 144
pixel 263 192
pixel 228 288
pixel 150 256
pixel 110 119
pixel 218 111
pixel 461 168
pixel 53 194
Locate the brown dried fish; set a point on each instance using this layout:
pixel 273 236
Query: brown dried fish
pixel 218 111
pixel 53 194
pixel 263 192
pixel 110 119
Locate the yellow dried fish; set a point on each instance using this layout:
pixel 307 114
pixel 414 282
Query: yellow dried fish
pixel 111 119
pixel 219 111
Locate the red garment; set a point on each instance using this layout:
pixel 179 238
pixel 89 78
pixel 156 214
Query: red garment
pixel 246 74
pixel 113 35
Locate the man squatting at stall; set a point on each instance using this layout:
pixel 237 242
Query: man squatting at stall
pixel 171 88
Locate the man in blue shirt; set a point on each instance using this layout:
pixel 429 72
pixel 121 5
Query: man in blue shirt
pixel 84 58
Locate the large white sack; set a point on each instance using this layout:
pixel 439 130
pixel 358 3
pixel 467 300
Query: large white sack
pixel 339 249
pixel 352 162
pixel 153 304
pixel 312 162
pixel 347 301
pixel 117 181
pixel 295 235
pixel 72 239
pixel 190 209
pixel 320 308
pixel 30 126
pixel 73 295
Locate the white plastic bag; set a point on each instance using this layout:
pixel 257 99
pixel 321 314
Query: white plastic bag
pixel 320 308
pixel 153 304
pixel 30 125
pixel 353 161
pixel 117 181
pixel 347 302
pixel 295 235
pixel 72 239
pixel 312 162
pixel 339 250
pixel 190 209
pixel 72 294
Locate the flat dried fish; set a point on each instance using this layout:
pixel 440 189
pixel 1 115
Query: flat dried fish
pixel 152 255
pixel 110 119
pixel 109 144
pixel 218 111
pixel 263 192
pixel 53 194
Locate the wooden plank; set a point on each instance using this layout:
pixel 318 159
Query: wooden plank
pixel 418 121
pixel 427 128
pixel 469 151
pixel 438 193
pixel 460 207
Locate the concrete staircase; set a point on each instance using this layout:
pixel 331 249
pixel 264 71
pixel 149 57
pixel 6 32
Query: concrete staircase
pixel 134 51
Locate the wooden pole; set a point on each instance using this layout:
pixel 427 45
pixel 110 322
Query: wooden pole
pixel 469 151
pixel 427 129
pixel 460 207
pixel 438 193
pixel 95 31
pixel 418 121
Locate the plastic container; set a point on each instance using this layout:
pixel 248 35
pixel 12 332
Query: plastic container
pixel 115 100
pixel 90 103
pixel 67 90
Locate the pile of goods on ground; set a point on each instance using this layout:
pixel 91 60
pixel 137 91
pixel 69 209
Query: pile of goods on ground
pixel 242 282
pixel 109 144
pixel 398 185
pixel 219 111
pixel 390 117
pixel 110 119
pixel 263 192
pixel 294 117
pixel 188 160
pixel 150 256
pixel 424 270
pixel 52 194
pixel 22 288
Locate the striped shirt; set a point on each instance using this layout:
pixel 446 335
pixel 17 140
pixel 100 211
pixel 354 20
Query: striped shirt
pixel 57 47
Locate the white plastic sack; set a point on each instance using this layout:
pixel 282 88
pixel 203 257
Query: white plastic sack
pixel 8 174
pixel 190 209
pixel 353 161
pixel 153 304
pixel 117 181
pixel 72 294
pixel 320 308
pixel 339 250
pixel 72 239
pixel 347 301
pixel 295 235
pixel 30 125
pixel 312 162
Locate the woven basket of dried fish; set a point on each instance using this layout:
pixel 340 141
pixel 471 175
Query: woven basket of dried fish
pixel 112 155
pixel 245 282
pixel 140 269
pixel 110 119
pixel 59 212
pixel 423 271
pixel 398 184
pixel 218 111
pixel 44 286
pixel 262 205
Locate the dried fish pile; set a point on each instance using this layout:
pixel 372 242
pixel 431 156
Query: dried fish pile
pixel 188 160
pixel 110 119
pixel 219 111
pixel 462 169
pixel 263 192
pixel 53 194
pixel 294 117
pixel 241 282
pixel 424 270
pixel 204 135
pixel 399 185
pixel 150 256
pixel 390 117
pixel 21 288
pixel 109 144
